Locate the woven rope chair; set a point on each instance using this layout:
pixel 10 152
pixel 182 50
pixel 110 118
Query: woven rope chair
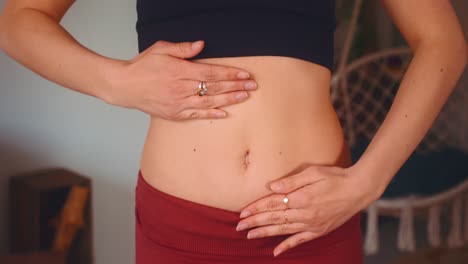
pixel 362 95
pixel 362 92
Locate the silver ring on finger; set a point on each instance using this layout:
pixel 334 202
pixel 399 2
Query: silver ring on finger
pixel 286 200
pixel 201 88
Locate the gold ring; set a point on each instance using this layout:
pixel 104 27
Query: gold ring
pixel 285 217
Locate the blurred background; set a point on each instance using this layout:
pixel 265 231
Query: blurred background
pixel 43 125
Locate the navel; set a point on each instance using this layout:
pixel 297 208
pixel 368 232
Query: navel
pixel 246 158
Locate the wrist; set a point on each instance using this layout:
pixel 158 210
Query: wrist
pixel 109 72
pixel 369 181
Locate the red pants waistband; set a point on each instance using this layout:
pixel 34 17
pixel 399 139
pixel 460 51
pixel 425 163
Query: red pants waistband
pixel 188 226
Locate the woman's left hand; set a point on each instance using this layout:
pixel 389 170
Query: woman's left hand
pixel 320 199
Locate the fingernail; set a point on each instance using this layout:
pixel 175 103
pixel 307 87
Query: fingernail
pixel 277 186
pixel 241 226
pixel 244 214
pixel 252 235
pixel 277 252
pixel 250 85
pixel 196 44
pixel 220 114
pixel 243 75
pixel 241 95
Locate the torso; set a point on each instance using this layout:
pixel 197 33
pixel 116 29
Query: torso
pixel 285 125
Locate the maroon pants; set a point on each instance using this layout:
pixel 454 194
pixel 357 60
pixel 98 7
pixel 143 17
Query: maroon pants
pixel 172 230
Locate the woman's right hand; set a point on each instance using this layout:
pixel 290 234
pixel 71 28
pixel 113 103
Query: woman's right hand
pixel 160 82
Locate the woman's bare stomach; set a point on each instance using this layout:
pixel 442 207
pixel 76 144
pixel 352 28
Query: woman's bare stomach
pixel 285 125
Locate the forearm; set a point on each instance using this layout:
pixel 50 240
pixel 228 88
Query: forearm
pixel 430 78
pixel 41 44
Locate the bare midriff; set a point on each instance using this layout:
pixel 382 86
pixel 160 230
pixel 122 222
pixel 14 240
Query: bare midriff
pixel 286 124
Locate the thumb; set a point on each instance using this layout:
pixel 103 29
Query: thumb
pixel 178 49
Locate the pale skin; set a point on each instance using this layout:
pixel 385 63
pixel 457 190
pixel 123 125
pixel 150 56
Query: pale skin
pixel 321 198
pixel 31 34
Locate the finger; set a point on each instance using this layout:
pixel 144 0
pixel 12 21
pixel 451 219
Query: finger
pixel 188 114
pixel 296 181
pixel 269 203
pixel 211 72
pixel 275 230
pixel 176 49
pixel 270 218
pixel 190 87
pixel 214 101
pixel 293 241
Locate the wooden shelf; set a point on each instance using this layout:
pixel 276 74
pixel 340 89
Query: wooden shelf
pixel 36 198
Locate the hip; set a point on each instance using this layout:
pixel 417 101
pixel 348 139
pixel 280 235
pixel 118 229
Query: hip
pixel 169 229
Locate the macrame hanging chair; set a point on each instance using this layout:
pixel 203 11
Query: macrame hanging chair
pixel 434 176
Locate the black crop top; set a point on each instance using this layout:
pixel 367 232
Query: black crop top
pixel 301 29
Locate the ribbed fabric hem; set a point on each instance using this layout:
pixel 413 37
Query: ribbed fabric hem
pixel 191 227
